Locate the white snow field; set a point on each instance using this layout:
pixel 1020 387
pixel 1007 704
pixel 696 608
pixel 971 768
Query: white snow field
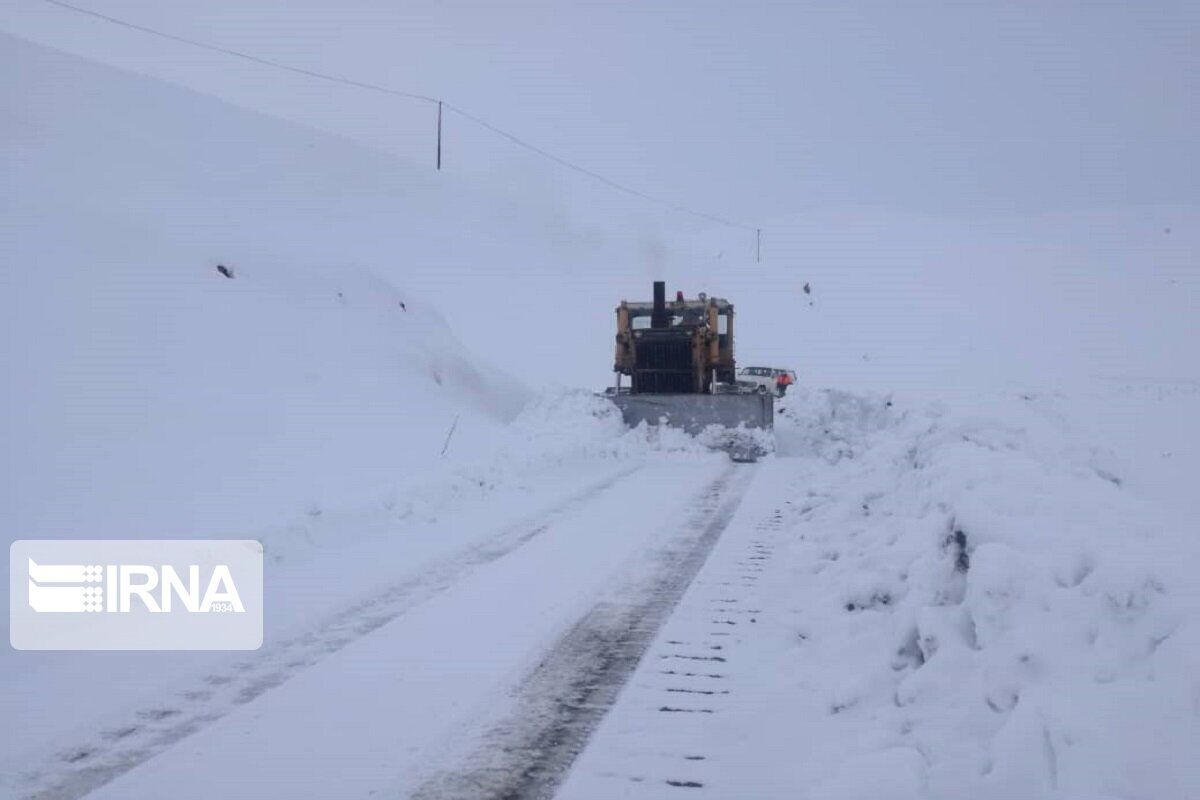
pixel 967 570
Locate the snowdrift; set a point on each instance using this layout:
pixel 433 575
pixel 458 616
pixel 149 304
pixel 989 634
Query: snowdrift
pixel 978 608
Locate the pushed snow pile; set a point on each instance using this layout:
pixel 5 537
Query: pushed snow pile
pixel 557 433
pixel 981 610
pixel 575 424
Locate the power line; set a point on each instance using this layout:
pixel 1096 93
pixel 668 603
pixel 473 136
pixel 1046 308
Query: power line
pixel 374 87
pixel 238 54
pixel 595 176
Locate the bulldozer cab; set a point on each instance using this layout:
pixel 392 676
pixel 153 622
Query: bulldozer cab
pixel 678 347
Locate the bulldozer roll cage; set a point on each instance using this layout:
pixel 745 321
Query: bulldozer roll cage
pixel 678 356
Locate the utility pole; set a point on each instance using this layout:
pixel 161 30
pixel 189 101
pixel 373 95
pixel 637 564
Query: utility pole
pixel 758 245
pixel 439 136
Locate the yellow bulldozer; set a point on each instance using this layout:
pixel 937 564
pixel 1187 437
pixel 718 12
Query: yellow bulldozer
pixel 678 357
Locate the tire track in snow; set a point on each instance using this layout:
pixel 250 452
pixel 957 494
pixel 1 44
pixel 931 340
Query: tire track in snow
pixel 669 735
pixel 98 759
pixel 561 702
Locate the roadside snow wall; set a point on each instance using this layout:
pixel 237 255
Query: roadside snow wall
pixel 979 609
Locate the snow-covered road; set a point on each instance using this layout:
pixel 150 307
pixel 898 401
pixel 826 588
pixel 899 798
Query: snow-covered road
pixel 148 731
pixel 559 704
pixel 418 682
pixel 671 728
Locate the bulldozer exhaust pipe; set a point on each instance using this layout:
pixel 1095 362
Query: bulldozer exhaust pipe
pixel 659 318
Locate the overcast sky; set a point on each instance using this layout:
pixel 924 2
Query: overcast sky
pixel 748 110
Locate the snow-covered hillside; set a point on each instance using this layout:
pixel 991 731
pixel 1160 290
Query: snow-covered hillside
pixel 158 396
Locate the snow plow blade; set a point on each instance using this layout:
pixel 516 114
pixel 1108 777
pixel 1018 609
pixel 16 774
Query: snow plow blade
pixel 695 412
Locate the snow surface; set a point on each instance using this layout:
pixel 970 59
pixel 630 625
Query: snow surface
pixel 969 564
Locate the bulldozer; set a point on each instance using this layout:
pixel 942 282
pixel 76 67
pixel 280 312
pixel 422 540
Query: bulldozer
pixel 678 357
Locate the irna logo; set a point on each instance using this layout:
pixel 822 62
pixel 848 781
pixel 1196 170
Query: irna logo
pixel 128 594
pixel 84 588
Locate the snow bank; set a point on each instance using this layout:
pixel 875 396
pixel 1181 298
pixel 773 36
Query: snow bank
pixel 981 610
pixel 558 431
